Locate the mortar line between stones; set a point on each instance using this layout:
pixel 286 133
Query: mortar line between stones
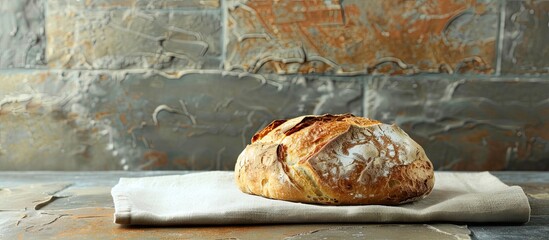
pixel 365 78
pixel 224 12
pixel 191 10
pixel 364 81
pixel 501 34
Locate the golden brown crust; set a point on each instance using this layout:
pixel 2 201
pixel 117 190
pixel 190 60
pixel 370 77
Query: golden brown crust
pixel 259 135
pixel 336 160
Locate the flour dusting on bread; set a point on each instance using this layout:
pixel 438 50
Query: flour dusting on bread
pixel 336 160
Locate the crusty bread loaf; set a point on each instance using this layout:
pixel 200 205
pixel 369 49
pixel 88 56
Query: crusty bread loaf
pixel 334 160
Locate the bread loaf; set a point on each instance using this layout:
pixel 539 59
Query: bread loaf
pixel 334 160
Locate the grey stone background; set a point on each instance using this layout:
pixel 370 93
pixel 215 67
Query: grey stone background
pixel 184 84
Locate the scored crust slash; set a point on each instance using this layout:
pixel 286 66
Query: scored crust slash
pixel 334 160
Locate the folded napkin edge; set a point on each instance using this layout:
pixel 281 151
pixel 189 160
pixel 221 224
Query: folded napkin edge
pixel 122 207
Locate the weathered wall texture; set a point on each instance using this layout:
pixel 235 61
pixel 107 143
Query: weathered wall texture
pixel 169 35
pixel 525 40
pixel 468 123
pixel 184 84
pixel 356 36
pixel 22 39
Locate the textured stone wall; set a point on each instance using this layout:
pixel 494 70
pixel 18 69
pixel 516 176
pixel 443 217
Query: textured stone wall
pixel 184 84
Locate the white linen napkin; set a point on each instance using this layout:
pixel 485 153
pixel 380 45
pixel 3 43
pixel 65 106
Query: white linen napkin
pixel 214 198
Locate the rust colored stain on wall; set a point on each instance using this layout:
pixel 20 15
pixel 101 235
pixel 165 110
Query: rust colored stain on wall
pixel 346 37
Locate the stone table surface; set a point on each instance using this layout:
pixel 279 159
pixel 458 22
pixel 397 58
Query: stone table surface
pixel 70 205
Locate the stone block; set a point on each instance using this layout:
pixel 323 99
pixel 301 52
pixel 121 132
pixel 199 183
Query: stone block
pixel 105 36
pixel 44 127
pixel 202 121
pixel 22 37
pixel 468 124
pixel 193 120
pixel 526 38
pixel 355 36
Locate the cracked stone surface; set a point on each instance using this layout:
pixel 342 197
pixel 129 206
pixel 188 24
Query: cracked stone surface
pixel 54 224
pixel 82 197
pixel 28 197
pixel 389 231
